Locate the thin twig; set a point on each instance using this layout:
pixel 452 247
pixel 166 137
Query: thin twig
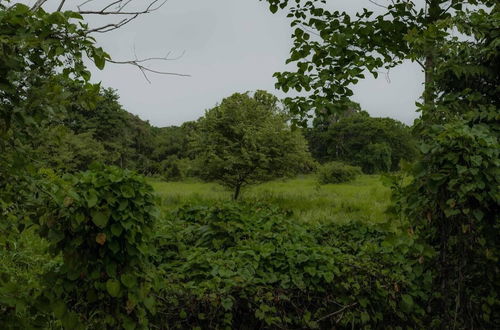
pixel 377 4
pixel 336 312
pixel 144 70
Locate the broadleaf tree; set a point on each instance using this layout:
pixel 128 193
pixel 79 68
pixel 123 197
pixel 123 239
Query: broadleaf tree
pixel 41 54
pixel 333 50
pixel 246 140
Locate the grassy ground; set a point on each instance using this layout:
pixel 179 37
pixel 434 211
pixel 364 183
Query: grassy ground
pixel 364 199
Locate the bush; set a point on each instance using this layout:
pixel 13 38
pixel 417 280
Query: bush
pixel 101 223
pixel 243 266
pixel 337 172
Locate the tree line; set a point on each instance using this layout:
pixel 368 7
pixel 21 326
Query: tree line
pixel 248 138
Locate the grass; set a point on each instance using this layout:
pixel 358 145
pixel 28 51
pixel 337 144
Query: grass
pixel 364 199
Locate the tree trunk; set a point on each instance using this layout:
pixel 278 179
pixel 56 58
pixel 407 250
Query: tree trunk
pixel 236 192
pixel 434 12
pixel 429 78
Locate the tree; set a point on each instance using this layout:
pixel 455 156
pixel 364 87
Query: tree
pixel 61 149
pixel 374 144
pixel 453 200
pixel 333 50
pixel 40 56
pixel 246 140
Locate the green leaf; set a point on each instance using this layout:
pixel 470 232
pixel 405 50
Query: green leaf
pixel 59 309
pixel 128 280
pixel 227 303
pixel 127 191
pixel 407 302
pixel 113 287
pixel 150 302
pixel 100 218
pixel 116 229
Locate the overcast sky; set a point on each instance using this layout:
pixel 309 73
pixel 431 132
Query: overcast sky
pixel 229 46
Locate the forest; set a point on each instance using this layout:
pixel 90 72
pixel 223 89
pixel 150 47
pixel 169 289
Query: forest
pixel 264 213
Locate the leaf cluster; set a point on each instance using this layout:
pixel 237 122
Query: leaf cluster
pixel 101 222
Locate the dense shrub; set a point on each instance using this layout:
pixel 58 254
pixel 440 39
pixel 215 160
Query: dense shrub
pixel 101 223
pixel 337 172
pixel 242 266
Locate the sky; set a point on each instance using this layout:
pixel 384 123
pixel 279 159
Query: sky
pixel 226 46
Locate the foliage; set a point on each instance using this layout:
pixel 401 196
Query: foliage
pixel 333 50
pixel 451 203
pixel 243 265
pixel 325 118
pixel 102 224
pixel 41 54
pixel 374 144
pixel 127 140
pixel 20 285
pixel 246 140
pixel 100 129
pixel 453 200
pixel 337 172
pixel 61 149
pixel 34 45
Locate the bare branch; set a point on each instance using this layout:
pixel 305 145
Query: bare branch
pixel 377 4
pixel 118 8
pixel 112 26
pixel 61 5
pixel 83 4
pixel 144 69
pixel 153 6
pixel 420 63
pixel 119 11
pixel 148 59
pixel 38 5
pixel 111 4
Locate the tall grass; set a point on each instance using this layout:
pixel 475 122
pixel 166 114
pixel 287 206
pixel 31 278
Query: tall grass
pixel 364 199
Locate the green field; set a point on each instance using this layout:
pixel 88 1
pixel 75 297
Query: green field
pixel 364 199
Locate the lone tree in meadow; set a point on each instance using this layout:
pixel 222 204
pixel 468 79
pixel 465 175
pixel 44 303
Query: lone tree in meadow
pixel 246 140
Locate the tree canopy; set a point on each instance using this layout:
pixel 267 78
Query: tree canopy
pixel 374 144
pixel 333 50
pixel 246 140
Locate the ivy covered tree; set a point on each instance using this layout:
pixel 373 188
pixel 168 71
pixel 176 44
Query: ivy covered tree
pixel 246 140
pixel 454 197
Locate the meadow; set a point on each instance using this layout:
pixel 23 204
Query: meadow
pixel 364 199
